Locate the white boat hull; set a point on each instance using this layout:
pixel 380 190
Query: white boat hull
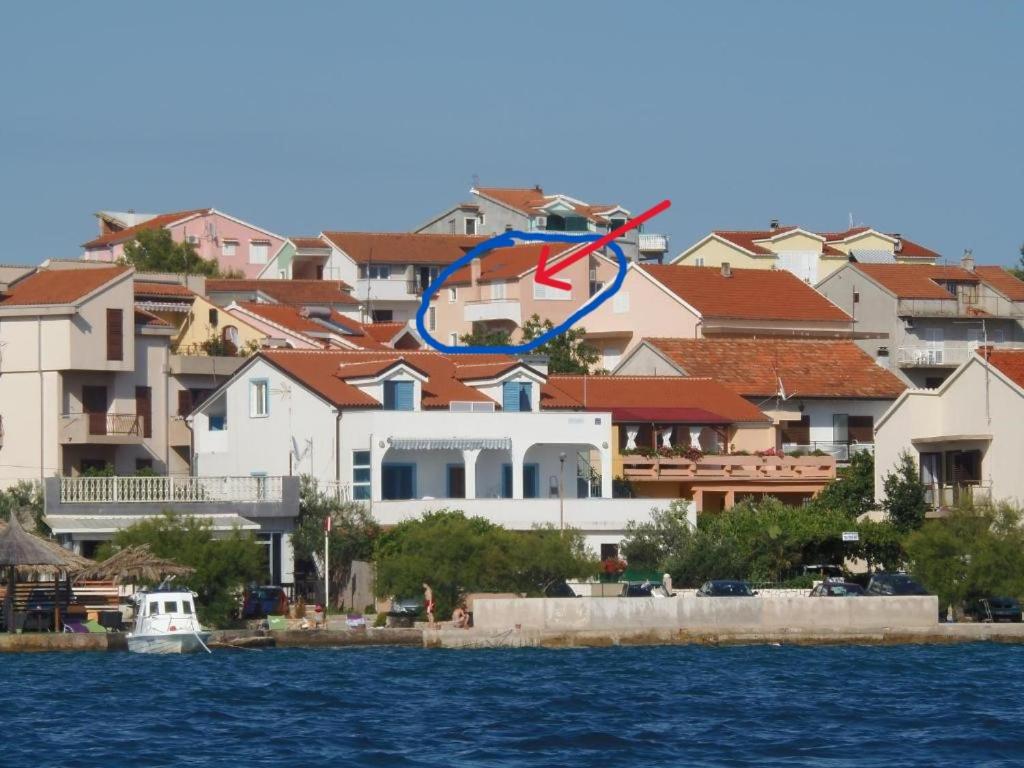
pixel 175 642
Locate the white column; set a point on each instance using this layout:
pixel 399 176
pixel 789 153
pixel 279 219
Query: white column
pixel 469 458
pixel 518 457
pixel 606 473
pixel 376 475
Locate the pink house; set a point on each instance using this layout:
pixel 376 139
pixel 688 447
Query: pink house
pixel 232 243
pixel 499 292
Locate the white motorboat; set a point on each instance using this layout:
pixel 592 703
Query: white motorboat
pixel 166 622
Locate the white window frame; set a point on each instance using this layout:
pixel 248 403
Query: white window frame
pixel 498 290
pixel 466 222
pixel 453 294
pixel 259 246
pixel 547 293
pixel 361 484
pixel 258 409
pixel 229 247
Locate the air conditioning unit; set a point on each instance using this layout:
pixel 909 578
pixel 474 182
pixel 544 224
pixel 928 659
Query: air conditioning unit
pixel 192 239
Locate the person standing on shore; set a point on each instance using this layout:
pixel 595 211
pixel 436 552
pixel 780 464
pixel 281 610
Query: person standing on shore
pixel 428 603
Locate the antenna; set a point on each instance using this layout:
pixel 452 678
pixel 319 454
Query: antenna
pixel 476 181
pixel 849 223
pixel 211 231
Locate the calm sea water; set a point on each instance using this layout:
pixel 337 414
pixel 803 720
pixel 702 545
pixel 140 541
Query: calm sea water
pixel 678 706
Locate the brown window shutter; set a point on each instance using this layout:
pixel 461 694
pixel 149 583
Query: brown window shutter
pixel 144 409
pixel 184 402
pixel 115 334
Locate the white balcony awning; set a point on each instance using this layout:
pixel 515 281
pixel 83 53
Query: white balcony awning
pixel 110 524
pixel 450 443
pixel 165 306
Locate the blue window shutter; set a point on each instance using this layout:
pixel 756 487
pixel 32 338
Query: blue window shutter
pixel 524 396
pixel 398 395
pixel 506 481
pixel 510 396
pixel 389 395
pixel 531 481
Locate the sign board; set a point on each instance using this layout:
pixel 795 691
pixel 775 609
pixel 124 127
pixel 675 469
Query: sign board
pixel 851 536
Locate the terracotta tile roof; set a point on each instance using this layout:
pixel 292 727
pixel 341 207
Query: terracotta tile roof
pixel 479 371
pixel 283 315
pixel 325 372
pixel 403 247
pixel 916 281
pixel 157 222
pixel 690 399
pixel 508 263
pixel 532 199
pixel 295 319
pixel 807 368
pixel 383 332
pixel 1003 281
pixel 305 243
pixel 749 294
pixel 911 250
pixel 1009 361
pixel 746 239
pixel 142 317
pixel 58 286
pixel 288 291
pixel 152 288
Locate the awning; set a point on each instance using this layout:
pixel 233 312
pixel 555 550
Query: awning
pixel 110 524
pixel 450 443
pixel 165 306
pixel 951 439
pixel 667 415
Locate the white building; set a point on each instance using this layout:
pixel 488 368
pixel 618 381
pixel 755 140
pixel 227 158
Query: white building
pixel 412 431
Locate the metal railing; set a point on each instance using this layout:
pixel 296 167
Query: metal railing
pixel 964 306
pixel 918 355
pixel 115 424
pixel 163 489
pixel 951 495
pixel 841 451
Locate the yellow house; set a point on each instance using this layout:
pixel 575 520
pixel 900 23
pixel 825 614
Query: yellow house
pixel 206 322
pixel 811 256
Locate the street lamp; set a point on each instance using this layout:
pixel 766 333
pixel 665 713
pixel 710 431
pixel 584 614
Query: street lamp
pixel 561 491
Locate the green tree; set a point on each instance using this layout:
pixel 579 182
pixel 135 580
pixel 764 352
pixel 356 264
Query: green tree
pixel 974 552
pixel 353 532
pixel 1018 271
pixel 647 545
pixel 482 336
pixel 26 496
pixel 456 554
pixel 853 491
pixel 154 250
pixel 880 546
pixel 224 564
pixel 567 352
pixel 904 494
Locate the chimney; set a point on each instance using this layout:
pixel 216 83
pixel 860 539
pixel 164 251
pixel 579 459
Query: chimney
pixel 536 188
pixel 899 242
pixel 773 225
pixel 967 260
pixel 726 269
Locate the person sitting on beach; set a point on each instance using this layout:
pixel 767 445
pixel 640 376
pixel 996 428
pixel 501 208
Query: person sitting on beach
pixel 460 618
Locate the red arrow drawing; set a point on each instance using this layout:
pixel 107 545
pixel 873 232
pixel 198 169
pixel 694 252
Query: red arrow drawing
pixel 545 274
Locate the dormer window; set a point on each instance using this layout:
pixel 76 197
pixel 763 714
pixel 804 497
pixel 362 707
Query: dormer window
pixel 398 395
pixel 470 226
pixel 516 396
pixel 616 223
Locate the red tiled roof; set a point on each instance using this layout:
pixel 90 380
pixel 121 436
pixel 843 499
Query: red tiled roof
pixel 532 199
pixel 383 332
pixel 911 250
pixel 749 294
pixel 916 281
pixel 1009 361
pixel 807 368
pixel 152 288
pixel 403 247
pixel 507 263
pixel 294 319
pixel 157 222
pixel 142 317
pixel 309 242
pixel 677 398
pixel 325 372
pixel 58 286
pixel 745 238
pixel 288 291
pixel 1003 281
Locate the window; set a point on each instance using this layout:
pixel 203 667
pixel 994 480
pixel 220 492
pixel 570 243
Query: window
pixel 228 247
pixel 381 315
pixel 616 223
pixel 515 395
pixel 840 427
pixel 154 608
pixel 378 271
pixel 115 334
pixel 531 481
pixel 259 251
pixel 190 399
pixel 470 226
pixel 398 395
pixel 451 226
pixel 861 429
pixel 259 398
pixel 483 218
pixel 143 465
pixel 699 261
pixel 360 475
pixel 144 410
pixel 453 294
pixel 170 606
pixel 549 293
pixel 186 607
pixel 998 336
pixel 432 319
pixel 231 341
pixel 498 290
pixel 798 432
pixel 398 481
pixel 609 551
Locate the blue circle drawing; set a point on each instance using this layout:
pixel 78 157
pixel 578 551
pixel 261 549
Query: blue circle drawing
pixel 507 240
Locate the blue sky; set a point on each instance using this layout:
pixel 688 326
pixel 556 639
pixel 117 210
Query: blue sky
pixel 309 116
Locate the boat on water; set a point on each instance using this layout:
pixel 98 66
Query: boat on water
pixel 166 622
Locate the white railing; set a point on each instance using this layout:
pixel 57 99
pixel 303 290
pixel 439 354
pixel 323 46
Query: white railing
pixel 492 309
pixel 653 242
pixel 929 356
pixel 467 406
pixel 163 489
pixel 336 490
pixel 841 451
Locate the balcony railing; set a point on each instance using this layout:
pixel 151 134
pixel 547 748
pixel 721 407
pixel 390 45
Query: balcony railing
pixel 117 428
pixel 995 306
pixel 937 356
pixel 730 468
pixel 841 451
pixel 938 496
pixel 167 489
pixel 493 309
pixel 652 242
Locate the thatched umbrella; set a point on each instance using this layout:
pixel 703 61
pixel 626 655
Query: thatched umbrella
pixel 133 564
pixel 18 548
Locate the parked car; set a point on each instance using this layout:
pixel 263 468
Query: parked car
pixel 409 607
pixel 994 609
pixel 898 584
pixel 831 588
pixel 264 601
pixel 725 588
pixel 559 589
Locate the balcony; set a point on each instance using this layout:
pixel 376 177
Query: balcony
pixel 935 356
pixel 840 451
pixel 945 496
pixel 493 309
pixel 389 289
pixel 652 243
pixel 204 365
pixel 752 469
pixel 101 428
pixel 244 489
pixel 966 305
